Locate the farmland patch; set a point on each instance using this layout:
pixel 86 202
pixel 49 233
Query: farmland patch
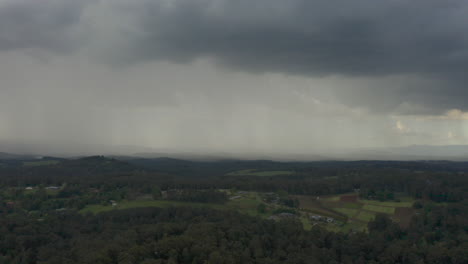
pixel 379 209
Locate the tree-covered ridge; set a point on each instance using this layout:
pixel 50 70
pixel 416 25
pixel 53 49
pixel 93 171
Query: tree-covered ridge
pixel 190 235
pixel 43 217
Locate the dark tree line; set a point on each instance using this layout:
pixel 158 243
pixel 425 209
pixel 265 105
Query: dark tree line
pixel 190 235
pixel 44 226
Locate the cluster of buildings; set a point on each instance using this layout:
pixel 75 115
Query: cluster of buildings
pixel 238 195
pixel 322 218
pixel 282 216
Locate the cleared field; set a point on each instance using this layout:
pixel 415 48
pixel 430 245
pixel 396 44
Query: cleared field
pixel 379 209
pixel 95 209
pixel 351 215
pixel 365 216
pixel 355 226
pixel 352 205
pixel 391 204
pixel 349 198
pixel 247 205
pixel 312 205
pixel 404 215
pixel 331 198
pixel 358 212
pixel 259 173
pixel 305 223
pixel 347 211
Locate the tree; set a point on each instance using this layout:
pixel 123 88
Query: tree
pixel 156 192
pixel 261 208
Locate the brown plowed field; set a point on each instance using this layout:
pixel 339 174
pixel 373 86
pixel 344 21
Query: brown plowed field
pixel 404 215
pixel 349 198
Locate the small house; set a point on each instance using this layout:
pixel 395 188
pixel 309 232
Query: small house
pixel 316 217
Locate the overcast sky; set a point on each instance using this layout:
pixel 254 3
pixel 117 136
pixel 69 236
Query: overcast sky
pixel 295 76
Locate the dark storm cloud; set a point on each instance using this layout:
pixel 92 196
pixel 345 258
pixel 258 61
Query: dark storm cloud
pixel 424 40
pixel 43 24
pixel 363 37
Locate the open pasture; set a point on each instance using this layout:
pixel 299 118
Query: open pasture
pixel 379 209
pixel 403 216
pixel 311 204
pixel 347 211
pixel 390 204
pixel 95 209
pixel 365 216
pixel 349 198
pixel 247 204
pixel 359 211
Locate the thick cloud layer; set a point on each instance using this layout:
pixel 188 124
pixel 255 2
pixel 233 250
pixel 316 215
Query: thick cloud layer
pixel 46 24
pixel 271 74
pixel 421 39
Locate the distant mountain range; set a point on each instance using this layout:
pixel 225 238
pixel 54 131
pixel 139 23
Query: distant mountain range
pixel 9 156
pixel 414 152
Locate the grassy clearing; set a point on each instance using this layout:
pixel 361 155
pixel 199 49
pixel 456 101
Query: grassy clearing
pixel 403 216
pixel 310 204
pixel 390 204
pixel 379 209
pixel 359 212
pixel 355 226
pixel 97 208
pixel 347 211
pixel 247 205
pixel 40 163
pixel 352 205
pixel 305 223
pixel 355 215
pixel 365 216
pixel 331 198
pixel 259 173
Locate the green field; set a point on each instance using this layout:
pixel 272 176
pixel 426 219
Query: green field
pixel 347 211
pixel 312 205
pixel 391 204
pixel 358 212
pixel 350 215
pixel 352 205
pixel 259 173
pixel 331 198
pixel 379 209
pixel 365 216
pixel 40 163
pixel 305 223
pixel 95 209
pixel 247 205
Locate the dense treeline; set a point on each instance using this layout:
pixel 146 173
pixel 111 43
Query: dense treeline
pixel 188 235
pixel 40 223
pixel 112 174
